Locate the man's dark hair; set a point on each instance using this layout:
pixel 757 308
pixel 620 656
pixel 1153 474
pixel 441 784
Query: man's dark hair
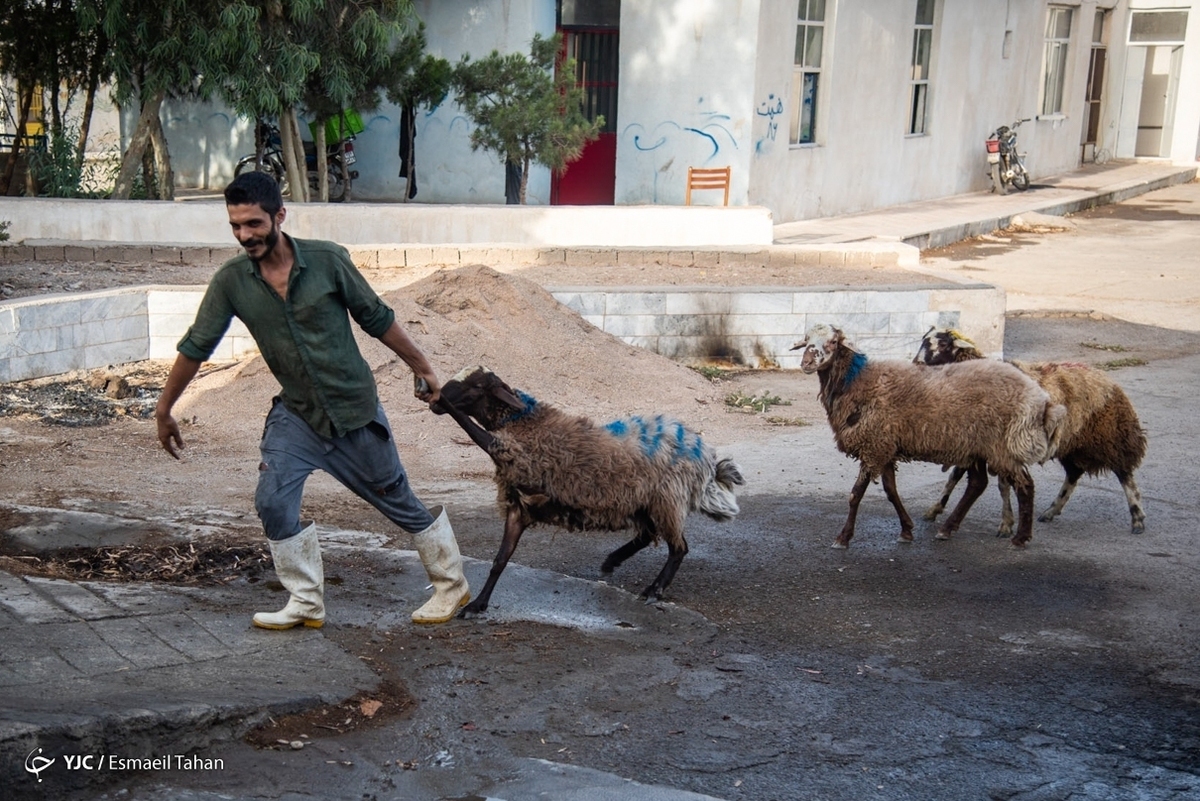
pixel 254 189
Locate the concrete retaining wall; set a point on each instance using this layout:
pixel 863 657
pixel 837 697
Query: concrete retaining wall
pixel 852 254
pixel 55 334
pixel 204 222
pixel 757 326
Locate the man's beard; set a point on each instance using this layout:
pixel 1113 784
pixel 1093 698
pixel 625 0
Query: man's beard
pixel 269 241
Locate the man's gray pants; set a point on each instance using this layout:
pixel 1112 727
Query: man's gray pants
pixel 364 460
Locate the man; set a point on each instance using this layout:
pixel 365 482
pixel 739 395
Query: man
pixel 297 297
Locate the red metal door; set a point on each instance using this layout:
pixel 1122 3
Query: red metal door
pixel 591 181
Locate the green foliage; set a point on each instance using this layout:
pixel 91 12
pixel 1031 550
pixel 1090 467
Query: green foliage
pixel 524 110
pixel 1117 364
pixel 164 48
pixel 60 170
pixel 1100 346
pixel 754 403
pixel 4 224
pixel 712 372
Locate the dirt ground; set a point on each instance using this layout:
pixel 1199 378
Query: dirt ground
pixel 956 670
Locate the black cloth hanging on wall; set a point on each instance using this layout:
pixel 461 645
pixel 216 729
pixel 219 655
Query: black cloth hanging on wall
pixel 408 140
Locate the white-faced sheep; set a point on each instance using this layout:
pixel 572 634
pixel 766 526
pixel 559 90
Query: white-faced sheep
pixel 975 415
pixel 564 470
pixel 1100 433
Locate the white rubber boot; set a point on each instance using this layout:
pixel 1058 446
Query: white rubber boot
pixel 443 564
pixel 298 565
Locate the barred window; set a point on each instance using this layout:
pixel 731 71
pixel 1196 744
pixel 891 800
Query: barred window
pixel 918 96
pixel 1058 37
pixel 806 70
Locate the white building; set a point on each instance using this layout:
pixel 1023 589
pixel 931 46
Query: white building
pixel 819 107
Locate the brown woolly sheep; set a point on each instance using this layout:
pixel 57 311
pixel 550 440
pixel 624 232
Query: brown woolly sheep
pixel 976 415
pixel 1100 433
pixel 563 470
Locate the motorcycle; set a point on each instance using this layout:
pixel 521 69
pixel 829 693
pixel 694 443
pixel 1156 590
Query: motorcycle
pixel 271 162
pixel 1005 163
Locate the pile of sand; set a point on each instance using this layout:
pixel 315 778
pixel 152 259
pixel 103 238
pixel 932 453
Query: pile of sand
pixel 476 316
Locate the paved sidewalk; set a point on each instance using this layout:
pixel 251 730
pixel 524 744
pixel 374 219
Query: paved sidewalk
pixel 934 223
pixel 151 670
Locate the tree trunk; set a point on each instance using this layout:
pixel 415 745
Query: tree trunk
pixel 137 146
pixel 347 184
pixel 89 103
pixel 293 155
pixel 10 169
pixel 149 177
pixel 322 164
pixel 162 161
pixel 524 178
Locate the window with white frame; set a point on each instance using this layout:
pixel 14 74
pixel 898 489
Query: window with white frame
pixel 806 71
pixel 1058 37
pixel 918 95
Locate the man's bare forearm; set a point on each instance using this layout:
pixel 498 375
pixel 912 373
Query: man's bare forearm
pixel 182 373
pixel 398 340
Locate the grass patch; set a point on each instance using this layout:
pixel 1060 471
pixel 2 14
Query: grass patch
pixel 754 404
pixel 1117 364
pixel 712 372
pixel 788 421
pixel 1103 347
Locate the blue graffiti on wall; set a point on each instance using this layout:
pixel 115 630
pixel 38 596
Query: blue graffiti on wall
pixel 770 108
pixel 669 140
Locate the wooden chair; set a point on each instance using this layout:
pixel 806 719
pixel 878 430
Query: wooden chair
pixel 699 178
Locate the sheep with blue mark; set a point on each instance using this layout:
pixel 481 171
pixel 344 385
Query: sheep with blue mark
pixel 976 415
pixel 559 469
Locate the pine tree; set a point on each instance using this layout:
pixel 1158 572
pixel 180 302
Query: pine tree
pixel 524 109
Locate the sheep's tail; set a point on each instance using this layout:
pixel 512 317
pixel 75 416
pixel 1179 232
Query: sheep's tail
pixel 718 500
pixel 1052 422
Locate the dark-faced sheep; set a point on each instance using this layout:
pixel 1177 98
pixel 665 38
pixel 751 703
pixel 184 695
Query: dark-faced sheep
pixel 976 415
pixel 563 470
pixel 1100 433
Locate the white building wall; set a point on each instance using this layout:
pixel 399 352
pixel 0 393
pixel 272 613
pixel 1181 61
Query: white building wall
pixel 686 96
pixel 447 170
pixel 1121 116
pixel 706 83
pixel 863 157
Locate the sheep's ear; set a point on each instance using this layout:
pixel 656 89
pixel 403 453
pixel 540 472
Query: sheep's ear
pixel 839 338
pixel 503 393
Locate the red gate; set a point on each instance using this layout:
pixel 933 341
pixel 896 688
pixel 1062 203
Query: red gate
pixel 591 181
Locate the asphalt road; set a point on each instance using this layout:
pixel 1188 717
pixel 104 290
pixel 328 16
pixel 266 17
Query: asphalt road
pixel 933 671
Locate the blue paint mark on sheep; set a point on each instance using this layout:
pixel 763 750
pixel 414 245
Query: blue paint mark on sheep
pixel 857 363
pixel 660 433
pixel 530 404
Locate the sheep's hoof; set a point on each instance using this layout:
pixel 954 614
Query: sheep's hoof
pixel 943 535
pixel 1138 528
pixel 1045 517
pixel 906 538
pixel 1004 531
pixel 1017 544
pixel 470 611
pixel 839 545
pixel 932 514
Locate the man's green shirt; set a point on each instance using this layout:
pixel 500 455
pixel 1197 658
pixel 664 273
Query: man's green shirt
pixel 306 340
